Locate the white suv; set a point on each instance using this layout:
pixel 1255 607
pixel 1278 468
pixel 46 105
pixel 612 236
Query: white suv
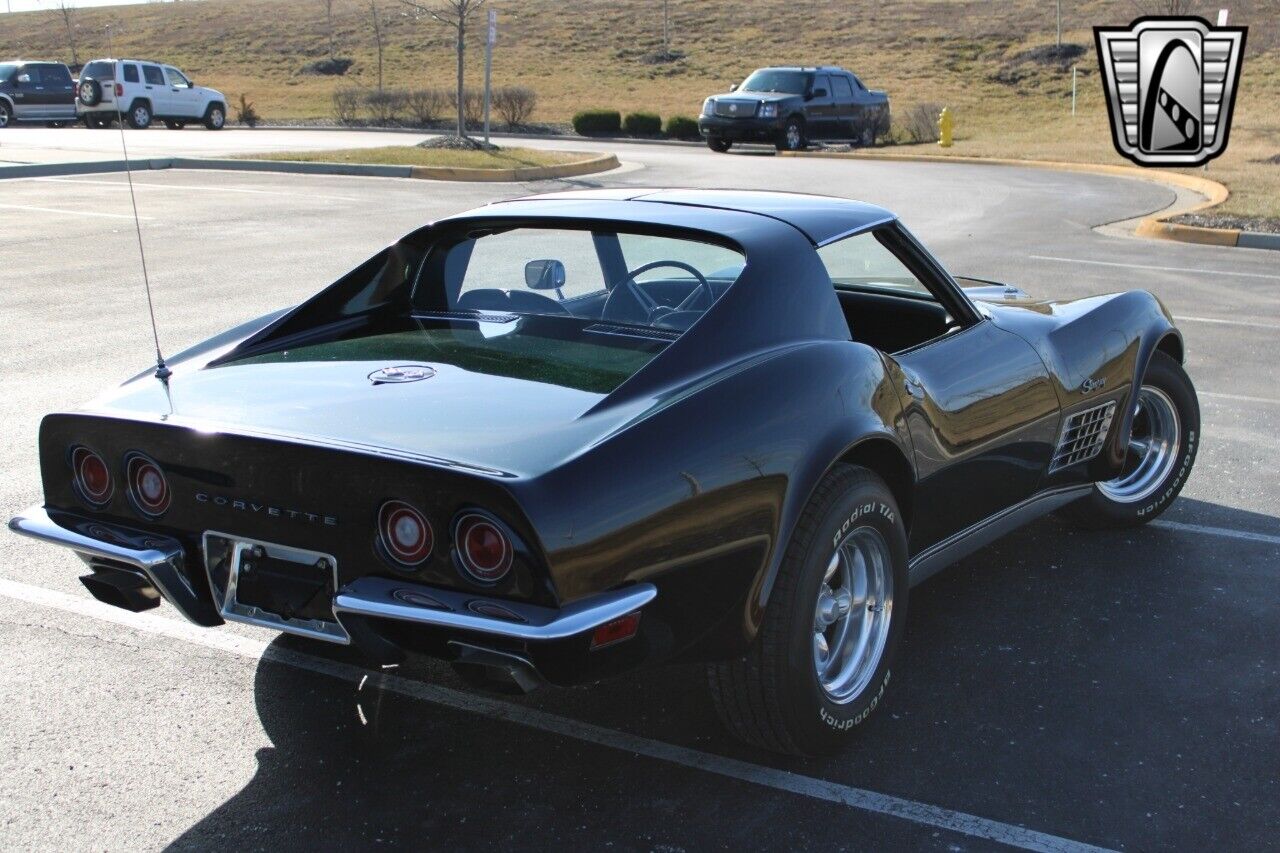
pixel 145 91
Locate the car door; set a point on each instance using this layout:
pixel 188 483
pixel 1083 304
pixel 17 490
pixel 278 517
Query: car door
pixel 845 107
pixel 978 401
pixel 29 100
pixel 819 109
pixel 59 91
pixel 184 100
pixel 154 90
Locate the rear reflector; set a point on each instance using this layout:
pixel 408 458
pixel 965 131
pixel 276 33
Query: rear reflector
pixel 622 628
pixel 119 90
pixel 91 476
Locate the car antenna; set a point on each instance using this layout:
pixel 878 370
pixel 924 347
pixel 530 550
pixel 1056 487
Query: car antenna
pixel 162 370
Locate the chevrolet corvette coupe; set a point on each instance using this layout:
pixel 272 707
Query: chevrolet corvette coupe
pixel 556 438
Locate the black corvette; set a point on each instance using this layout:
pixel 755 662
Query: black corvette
pixel 556 438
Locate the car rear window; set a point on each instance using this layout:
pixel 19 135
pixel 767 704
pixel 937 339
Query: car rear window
pixel 99 71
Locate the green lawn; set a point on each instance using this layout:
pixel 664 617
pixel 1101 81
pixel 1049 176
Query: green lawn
pixel 409 155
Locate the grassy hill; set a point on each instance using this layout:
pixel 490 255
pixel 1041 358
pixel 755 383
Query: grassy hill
pixel 976 56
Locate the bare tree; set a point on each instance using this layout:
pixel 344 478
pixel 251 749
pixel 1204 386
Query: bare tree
pixel 1174 8
pixel 377 37
pixel 455 13
pixel 69 19
pixel 328 19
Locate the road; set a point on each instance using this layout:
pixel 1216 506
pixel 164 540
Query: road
pixel 1065 688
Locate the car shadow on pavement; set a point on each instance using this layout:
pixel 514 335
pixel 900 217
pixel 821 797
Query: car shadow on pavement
pixel 1115 687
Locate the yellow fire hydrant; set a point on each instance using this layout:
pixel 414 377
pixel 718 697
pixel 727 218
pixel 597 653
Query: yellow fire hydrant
pixel 946 126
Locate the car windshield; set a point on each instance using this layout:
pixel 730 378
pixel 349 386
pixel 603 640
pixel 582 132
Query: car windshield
pixel 652 281
pixel 6 71
pixel 769 80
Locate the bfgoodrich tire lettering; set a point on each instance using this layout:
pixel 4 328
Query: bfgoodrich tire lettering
pixel 1126 501
pixel 774 697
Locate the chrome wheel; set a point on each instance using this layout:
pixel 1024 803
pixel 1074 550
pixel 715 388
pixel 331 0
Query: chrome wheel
pixel 4 115
pixel 794 135
pixel 852 615
pixel 217 118
pixel 1154 443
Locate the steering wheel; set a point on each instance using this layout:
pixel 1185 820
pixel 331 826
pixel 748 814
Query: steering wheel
pixel 647 303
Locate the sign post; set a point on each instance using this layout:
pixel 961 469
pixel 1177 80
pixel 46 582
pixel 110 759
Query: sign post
pixel 490 38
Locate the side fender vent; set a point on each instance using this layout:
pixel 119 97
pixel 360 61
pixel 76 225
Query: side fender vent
pixel 1083 435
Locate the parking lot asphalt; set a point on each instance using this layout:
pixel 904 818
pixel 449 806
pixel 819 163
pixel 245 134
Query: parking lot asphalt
pixel 1057 689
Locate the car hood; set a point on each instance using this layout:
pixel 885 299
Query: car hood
pixel 212 94
pixel 763 97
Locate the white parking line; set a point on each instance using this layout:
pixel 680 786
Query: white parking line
pixel 1149 267
pixel 1206 530
pixel 71 212
pixel 1238 397
pixel 1217 321
pixel 497 709
pixel 191 187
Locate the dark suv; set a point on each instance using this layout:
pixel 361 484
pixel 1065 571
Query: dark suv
pixel 790 106
pixel 36 91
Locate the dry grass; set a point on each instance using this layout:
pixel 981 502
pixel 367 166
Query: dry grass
pixel 581 53
pixel 411 155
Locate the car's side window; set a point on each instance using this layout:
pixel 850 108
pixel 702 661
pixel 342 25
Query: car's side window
pixel 858 83
pixel 843 92
pixel 29 77
pixel 131 74
pixel 152 75
pixel 823 82
pixel 55 75
pixel 862 261
pixel 175 78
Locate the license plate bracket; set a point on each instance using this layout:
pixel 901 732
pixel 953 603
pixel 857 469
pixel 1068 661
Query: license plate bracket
pixel 274 586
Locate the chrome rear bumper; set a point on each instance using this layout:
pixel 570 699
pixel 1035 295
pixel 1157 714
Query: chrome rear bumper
pixel 369 599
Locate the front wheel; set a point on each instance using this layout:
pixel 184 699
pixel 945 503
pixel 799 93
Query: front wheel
pixel 1162 449
pixel 6 114
pixel 793 138
pixel 718 145
pixel 216 117
pixel 821 661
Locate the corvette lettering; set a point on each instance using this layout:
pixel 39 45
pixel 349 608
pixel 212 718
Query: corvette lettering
pixel 266 509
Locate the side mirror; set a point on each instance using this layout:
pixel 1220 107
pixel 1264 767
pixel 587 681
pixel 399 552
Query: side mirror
pixel 545 274
pixel 24 78
pixel 733 87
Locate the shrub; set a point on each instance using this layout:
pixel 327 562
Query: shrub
pixel 682 127
pixel 472 105
pixel 426 105
pixel 245 113
pixel 642 124
pixel 346 105
pixel 514 104
pixel 919 122
pixel 588 122
pixel 386 106
pixel 329 67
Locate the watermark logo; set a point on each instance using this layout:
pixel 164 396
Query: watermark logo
pixel 1171 84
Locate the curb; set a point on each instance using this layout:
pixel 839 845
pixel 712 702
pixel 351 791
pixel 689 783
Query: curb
pixel 598 163
pixel 500 134
pixel 1153 227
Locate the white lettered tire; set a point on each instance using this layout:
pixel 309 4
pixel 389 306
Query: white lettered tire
pixel 823 657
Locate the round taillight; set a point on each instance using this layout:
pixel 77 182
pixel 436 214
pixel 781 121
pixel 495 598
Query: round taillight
pixel 92 476
pixel 148 486
pixel 405 533
pixel 484 550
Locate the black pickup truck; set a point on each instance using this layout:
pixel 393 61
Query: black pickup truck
pixel 36 91
pixel 788 106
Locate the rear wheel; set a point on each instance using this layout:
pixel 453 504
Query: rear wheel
pixel 1161 452
pixel 793 138
pixel 821 661
pixel 140 116
pixel 718 145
